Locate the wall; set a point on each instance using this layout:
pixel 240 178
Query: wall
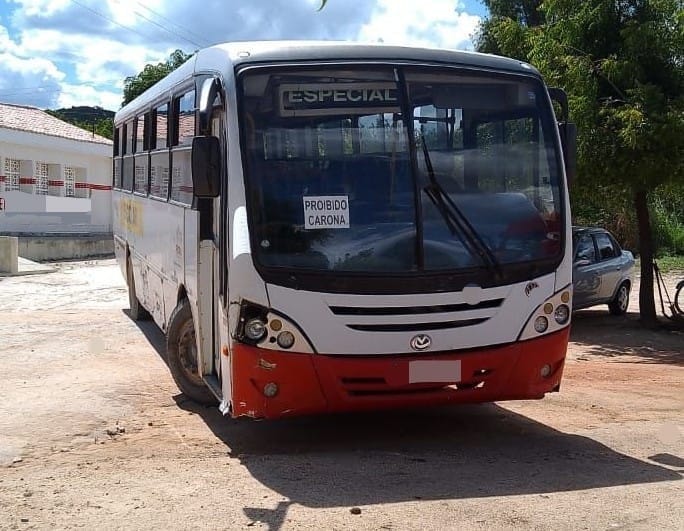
pixel 26 212
pixel 65 247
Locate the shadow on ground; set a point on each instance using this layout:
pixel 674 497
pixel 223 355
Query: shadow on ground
pixel 446 453
pixel 455 452
pixel 602 334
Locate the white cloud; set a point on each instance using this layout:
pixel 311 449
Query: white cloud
pixel 429 23
pixel 26 79
pixel 41 8
pixel 82 54
pixel 75 95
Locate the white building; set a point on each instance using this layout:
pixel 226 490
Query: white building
pixel 54 177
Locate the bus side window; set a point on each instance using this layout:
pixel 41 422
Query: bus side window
pixel 141 158
pixel 183 133
pixel 128 160
pixel 159 158
pixel 117 159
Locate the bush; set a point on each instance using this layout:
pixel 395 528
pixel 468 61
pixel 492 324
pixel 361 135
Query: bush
pixel 611 207
pixel 667 218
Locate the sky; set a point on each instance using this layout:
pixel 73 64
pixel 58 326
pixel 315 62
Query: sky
pixel 63 53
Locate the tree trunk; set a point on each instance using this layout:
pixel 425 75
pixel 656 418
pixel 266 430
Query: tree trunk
pixel 647 309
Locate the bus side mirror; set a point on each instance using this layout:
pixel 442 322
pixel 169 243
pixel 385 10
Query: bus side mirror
pixel 569 139
pixel 206 166
pixel 568 133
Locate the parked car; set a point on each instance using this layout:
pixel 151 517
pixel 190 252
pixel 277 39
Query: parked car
pixel 602 273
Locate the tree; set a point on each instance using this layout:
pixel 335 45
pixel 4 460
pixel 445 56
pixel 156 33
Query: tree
pixel 93 119
pixel 622 64
pixel 501 32
pixel 136 85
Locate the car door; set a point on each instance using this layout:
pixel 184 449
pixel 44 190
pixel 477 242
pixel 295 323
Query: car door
pixel 585 273
pixel 610 265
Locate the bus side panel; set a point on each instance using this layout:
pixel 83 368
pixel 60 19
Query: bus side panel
pixel 190 259
pixel 152 226
pixel 118 232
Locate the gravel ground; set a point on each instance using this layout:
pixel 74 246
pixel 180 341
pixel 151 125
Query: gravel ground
pixel 94 434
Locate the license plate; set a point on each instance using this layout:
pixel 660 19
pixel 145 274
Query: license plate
pixel 435 371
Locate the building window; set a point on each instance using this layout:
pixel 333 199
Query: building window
pixel 41 176
pixel 11 174
pixel 69 181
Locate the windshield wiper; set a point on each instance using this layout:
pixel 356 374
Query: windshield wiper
pixel 455 220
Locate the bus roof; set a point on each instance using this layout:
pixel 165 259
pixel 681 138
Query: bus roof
pixel 227 56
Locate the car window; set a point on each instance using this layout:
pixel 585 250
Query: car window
pixel 605 246
pixel 616 245
pixel 585 249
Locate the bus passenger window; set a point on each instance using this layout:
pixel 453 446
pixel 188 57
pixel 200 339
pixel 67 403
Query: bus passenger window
pixel 185 119
pixel 159 158
pixel 128 161
pixel 140 134
pixel 141 160
pixel 116 167
pixel 184 131
pixel 162 127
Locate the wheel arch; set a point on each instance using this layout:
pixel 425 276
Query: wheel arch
pixel 182 294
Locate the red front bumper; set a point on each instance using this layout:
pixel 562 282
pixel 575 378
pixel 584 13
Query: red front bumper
pixel 317 383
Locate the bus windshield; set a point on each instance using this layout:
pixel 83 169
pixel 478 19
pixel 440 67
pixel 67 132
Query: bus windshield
pixel 350 170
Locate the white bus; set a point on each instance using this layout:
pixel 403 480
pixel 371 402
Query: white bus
pixel 323 227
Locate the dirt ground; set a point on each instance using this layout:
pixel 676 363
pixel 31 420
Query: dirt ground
pixel 94 434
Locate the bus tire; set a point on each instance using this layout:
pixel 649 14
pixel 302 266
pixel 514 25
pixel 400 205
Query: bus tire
pixel 181 356
pixel 136 309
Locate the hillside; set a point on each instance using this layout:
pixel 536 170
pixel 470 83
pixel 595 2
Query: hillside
pixel 90 118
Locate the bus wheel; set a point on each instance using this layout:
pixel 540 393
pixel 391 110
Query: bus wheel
pixel 181 354
pixel 137 311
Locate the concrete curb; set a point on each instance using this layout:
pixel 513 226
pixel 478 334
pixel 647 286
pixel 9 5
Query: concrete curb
pixel 28 267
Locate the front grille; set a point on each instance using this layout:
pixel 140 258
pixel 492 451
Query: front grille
pixel 407 317
pixel 416 327
pixel 414 310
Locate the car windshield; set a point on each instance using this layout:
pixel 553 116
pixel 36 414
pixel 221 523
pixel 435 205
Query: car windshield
pixel 339 179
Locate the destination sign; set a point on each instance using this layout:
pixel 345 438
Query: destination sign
pixel 331 98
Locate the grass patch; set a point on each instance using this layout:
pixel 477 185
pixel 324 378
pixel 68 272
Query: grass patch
pixel 667 264
pixel 670 264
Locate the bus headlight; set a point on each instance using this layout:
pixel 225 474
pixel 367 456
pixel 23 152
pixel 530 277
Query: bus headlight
pixel 285 339
pixel 541 324
pixel 263 328
pixel 562 314
pixel 255 329
pixel 550 316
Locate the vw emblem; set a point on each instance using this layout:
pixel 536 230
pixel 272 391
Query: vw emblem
pixel 421 342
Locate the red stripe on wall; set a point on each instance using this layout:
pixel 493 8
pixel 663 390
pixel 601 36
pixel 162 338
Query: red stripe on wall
pixel 100 187
pixel 55 183
pixel 2 178
pixel 27 180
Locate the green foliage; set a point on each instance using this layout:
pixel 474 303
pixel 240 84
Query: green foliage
pixel 622 65
pixel 667 213
pixel 671 264
pixel 136 85
pixel 93 119
pixel 611 207
pixel 506 31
